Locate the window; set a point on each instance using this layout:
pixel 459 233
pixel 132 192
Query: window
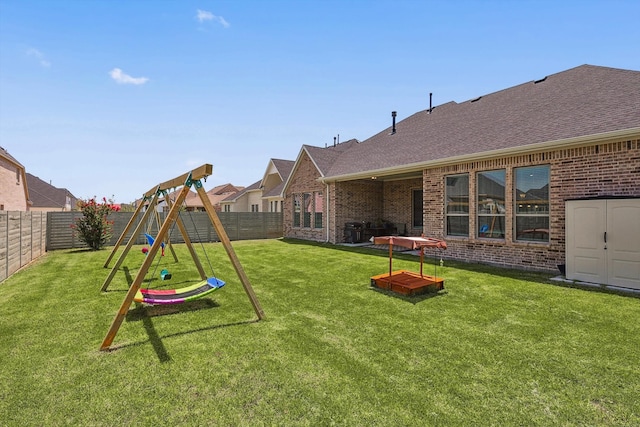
pixel 416 222
pixel 297 204
pixel 318 204
pixel 254 208
pixel 308 208
pixel 491 204
pixel 227 208
pixel 457 205
pixel 531 201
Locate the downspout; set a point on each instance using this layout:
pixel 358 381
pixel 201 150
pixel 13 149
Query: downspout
pixel 327 203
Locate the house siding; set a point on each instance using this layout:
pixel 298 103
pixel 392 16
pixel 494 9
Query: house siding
pixel 609 169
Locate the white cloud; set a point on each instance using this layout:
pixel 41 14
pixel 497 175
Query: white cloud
pixel 122 78
pixel 204 15
pixel 35 53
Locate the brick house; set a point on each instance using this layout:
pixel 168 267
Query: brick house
pixel 14 192
pixel 491 175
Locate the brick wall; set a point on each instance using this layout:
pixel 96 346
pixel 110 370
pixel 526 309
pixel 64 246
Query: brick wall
pixel 357 201
pixel 304 180
pixel 12 196
pixel 602 170
pixel 609 169
pixel 398 204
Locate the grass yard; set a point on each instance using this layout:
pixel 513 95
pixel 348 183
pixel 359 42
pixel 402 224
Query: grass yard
pixel 495 347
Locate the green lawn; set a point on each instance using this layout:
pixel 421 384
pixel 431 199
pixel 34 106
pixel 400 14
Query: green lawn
pixel 496 347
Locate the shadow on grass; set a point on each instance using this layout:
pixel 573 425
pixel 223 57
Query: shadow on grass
pixel 140 313
pixel 430 260
pixel 412 299
pixel 82 251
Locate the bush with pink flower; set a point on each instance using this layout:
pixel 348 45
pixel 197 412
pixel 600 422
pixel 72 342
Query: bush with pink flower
pixel 94 228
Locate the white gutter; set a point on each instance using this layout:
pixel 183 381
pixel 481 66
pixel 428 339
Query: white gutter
pixel 526 149
pixel 326 203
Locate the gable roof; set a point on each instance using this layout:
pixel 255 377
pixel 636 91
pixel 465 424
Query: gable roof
pixel 322 158
pixel 283 168
pixel 224 189
pixel 236 196
pixel 571 106
pixel 45 195
pixel 5 154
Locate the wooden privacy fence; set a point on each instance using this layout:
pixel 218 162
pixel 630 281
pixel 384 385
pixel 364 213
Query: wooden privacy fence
pixel 22 239
pixel 238 225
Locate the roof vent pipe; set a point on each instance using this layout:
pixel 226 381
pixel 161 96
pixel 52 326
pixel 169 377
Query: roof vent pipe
pixel 393 126
pixel 430 102
pixel 334 141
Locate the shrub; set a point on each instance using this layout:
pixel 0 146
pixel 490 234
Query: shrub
pixel 93 228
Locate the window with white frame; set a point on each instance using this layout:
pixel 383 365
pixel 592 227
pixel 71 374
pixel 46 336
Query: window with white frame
pixel 531 203
pixel 491 204
pixel 457 205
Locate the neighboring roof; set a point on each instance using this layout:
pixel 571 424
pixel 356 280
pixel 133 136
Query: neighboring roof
pixel 221 192
pixel 45 195
pixel 224 189
pixel 4 153
pixel 236 196
pixel 566 107
pixel 284 168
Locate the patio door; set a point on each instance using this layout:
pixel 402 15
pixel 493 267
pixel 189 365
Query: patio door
pixel 603 241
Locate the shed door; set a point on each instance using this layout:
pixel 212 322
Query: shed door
pixel 603 241
pixel 623 243
pixel 586 254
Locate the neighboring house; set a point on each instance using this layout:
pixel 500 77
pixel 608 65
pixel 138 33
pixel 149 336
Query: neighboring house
pixel 47 198
pixel 275 176
pixel 192 201
pixel 492 176
pixel 14 192
pixel 265 195
pixel 247 200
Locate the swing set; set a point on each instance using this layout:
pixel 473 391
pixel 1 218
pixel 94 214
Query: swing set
pixel 206 285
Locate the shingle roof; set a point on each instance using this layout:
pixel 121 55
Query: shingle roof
pixel 324 158
pixel 582 101
pixel 45 195
pixel 284 168
pixel 236 196
pixel 4 153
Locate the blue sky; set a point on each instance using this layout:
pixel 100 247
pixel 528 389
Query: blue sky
pixel 109 98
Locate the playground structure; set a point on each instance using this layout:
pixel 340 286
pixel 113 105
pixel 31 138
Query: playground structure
pixel 207 284
pixel 407 282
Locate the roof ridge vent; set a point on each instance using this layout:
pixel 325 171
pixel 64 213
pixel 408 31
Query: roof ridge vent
pixel 535 82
